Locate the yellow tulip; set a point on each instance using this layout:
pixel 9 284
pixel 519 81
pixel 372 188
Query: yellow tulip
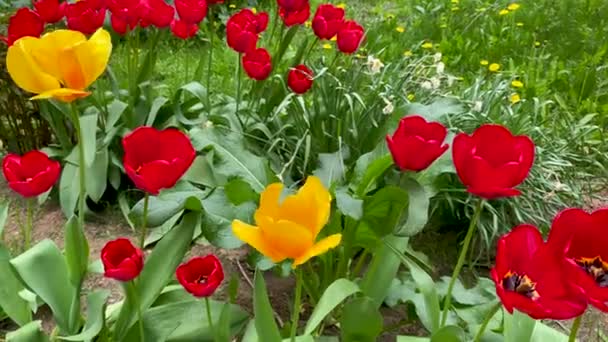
pixel 60 65
pixel 290 229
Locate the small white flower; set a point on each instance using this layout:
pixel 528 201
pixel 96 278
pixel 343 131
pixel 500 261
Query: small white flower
pixel 389 108
pixel 426 85
pixel 435 82
pixel 374 64
pixel 477 106
pixel 440 67
pixel 437 57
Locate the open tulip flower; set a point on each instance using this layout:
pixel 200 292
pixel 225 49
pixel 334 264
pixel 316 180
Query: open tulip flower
pixel 60 65
pixel 582 239
pixel 86 16
pixel 289 229
pixel 492 161
pixel 243 29
pixel 532 279
pixel 51 11
pixel 191 11
pixel 327 21
pixel 156 160
pixel 201 276
pixel 417 143
pixel 31 174
pixel 121 260
pixel 24 23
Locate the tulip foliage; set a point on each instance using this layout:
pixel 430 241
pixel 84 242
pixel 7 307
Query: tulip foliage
pixel 322 182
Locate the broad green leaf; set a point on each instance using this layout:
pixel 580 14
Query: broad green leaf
pixel 97 175
pixel 483 292
pixel 10 302
pixel 349 205
pixel 543 332
pixel 449 333
pixel 168 203
pixel 436 110
pixel 115 110
pixel 418 208
pixel 157 233
pixel 3 216
pixel 44 271
pixel 31 332
pixel 384 209
pixel 265 325
pixel 222 325
pixel 331 167
pixel 238 191
pixel 412 339
pixel 335 293
pixel 76 251
pixel 202 172
pixel 361 321
pixel 518 326
pixel 232 159
pixel 123 205
pixel 68 189
pixel 159 268
pixel 157 104
pixel 251 335
pixel 181 102
pixel 369 167
pixel 219 214
pixel 88 128
pixel 96 306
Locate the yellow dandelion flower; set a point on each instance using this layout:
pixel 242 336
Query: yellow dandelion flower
pixel 503 12
pixel 232 6
pixel 308 23
pixel 400 29
pixel 341 5
pixel 408 53
pixel 537 44
pixel 517 84
pixel 327 46
pixel 411 97
pixel 484 62
pixel 520 24
pixel 515 98
pixel 254 10
pixel 513 7
pixel 494 67
pixel 427 45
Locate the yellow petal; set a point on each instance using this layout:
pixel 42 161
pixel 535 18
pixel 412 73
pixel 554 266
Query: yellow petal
pixel 72 74
pixel 269 202
pixel 62 94
pixel 50 50
pixel 25 71
pixel 322 198
pixel 286 238
pixel 252 235
pixel 318 249
pixel 94 55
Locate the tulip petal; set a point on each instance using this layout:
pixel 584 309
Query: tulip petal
pixel 50 50
pixel 516 249
pixel 319 248
pixel 93 56
pixel 285 237
pixel 252 235
pixel 11 167
pixel 310 207
pixel 461 154
pixel 141 146
pixel 269 202
pixel 62 94
pixel 24 69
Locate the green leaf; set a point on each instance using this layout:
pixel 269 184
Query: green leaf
pixel 68 189
pixel 232 159
pixel 418 208
pixel 44 271
pixel 518 326
pixel 449 333
pixel 97 175
pixel 11 303
pixel 412 339
pixel 483 292
pixel 219 214
pixel 436 110
pixel 331 167
pixel 159 268
pixel 76 251
pixel 96 306
pixel 369 167
pixel 31 332
pixel 115 110
pixel 201 172
pixel 3 216
pixel 157 233
pixel 335 293
pixel 543 333
pixel 239 191
pixel 266 327
pixel 88 127
pixel 157 104
pixel 384 209
pixel 348 205
pixel 361 321
pixel 199 92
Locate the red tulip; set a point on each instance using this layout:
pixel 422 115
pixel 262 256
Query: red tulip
pixel 243 29
pixel 121 260
pixel 492 161
pixel 296 17
pixel 191 11
pixel 157 13
pixel 533 280
pixel 214 2
pixel 125 13
pixel 416 143
pixel 327 21
pixel 582 239
pixel 257 64
pixel 31 174
pixel 85 16
pixel 293 5
pixel 51 11
pixel 201 276
pixel 183 30
pixel 350 36
pixel 300 79
pixel 24 23
pixel 120 26
pixel 156 160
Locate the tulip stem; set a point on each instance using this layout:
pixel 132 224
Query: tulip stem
pixel 486 321
pixel 132 292
pixel 211 34
pixel 144 222
pixel 295 315
pixel 209 317
pixel 238 89
pixel 81 167
pixel 27 229
pixel 574 330
pixel 460 263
